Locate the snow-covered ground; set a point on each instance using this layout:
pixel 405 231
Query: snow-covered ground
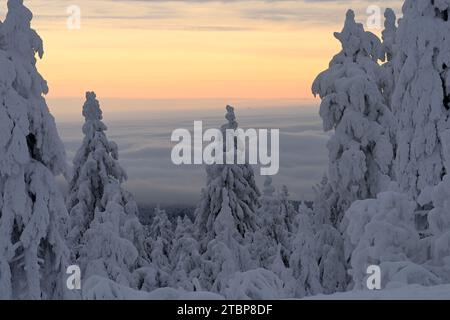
pixel 412 292
pixel 99 288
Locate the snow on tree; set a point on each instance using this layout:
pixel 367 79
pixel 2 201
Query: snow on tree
pixel 106 235
pixel 258 284
pixel 331 259
pixel 184 227
pixel 227 253
pixel 303 261
pixel 360 151
pixel 158 244
pixel 226 218
pixel 288 211
pixel 421 100
pixel 389 49
pixel 106 250
pixel 285 274
pixel 94 165
pixel 389 33
pixel 161 228
pixel 382 232
pixel 239 181
pixel 324 211
pixel 274 219
pixel 185 257
pixel 439 220
pixel 33 253
pixel 329 241
pixel 439 230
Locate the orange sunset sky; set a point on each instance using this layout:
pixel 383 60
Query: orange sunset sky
pixel 190 49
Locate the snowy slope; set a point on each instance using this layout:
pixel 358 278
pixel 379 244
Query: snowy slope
pixel 97 288
pixel 412 292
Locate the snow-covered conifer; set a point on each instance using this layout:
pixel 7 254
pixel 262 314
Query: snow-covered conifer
pixel 389 49
pixel 185 257
pixel 278 266
pixel 303 261
pixel 382 232
pixel 33 252
pixel 158 247
pixel 329 241
pixel 161 228
pixel 439 229
pixel 94 166
pixel 421 100
pixel 105 232
pixel 331 259
pixel 275 219
pixel 360 151
pixel 227 253
pixel 239 181
pixel 288 211
pixel 389 34
pixel 108 249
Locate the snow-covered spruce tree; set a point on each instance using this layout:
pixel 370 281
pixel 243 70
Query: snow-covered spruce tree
pixel 226 217
pixel 324 200
pixel 107 236
pixel 288 211
pixel 421 100
pixel 282 270
pixel 185 257
pixel 257 284
pixel 360 151
pixel 382 232
pixel 274 219
pixel 94 165
pixel 158 244
pixel 33 253
pixel 239 181
pixel 329 241
pixel 388 36
pixel 109 247
pixel 227 253
pixel 303 261
pixel 161 228
pixel 184 227
pixel 439 228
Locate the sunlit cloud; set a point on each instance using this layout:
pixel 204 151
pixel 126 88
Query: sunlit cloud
pixel 192 48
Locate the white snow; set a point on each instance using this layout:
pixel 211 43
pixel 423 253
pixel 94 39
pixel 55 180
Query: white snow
pixel 384 202
pixel 412 292
pixel 353 105
pixel 33 217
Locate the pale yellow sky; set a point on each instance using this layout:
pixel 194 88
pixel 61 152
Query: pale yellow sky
pixel 190 49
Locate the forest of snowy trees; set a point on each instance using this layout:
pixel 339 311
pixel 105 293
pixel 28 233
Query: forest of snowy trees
pixel 384 201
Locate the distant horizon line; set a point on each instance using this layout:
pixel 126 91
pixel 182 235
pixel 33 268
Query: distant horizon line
pixel 188 98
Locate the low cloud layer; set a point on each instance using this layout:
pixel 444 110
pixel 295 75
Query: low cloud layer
pixel 145 149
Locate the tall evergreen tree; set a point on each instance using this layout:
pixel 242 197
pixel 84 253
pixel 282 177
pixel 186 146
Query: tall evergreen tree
pixel 33 253
pixel 185 257
pixel 421 100
pixel 382 232
pixel 303 260
pixel 239 181
pixel 329 241
pixel 94 166
pixel 275 232
pixel 106 235
pixel 226 218
pixel 360 151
